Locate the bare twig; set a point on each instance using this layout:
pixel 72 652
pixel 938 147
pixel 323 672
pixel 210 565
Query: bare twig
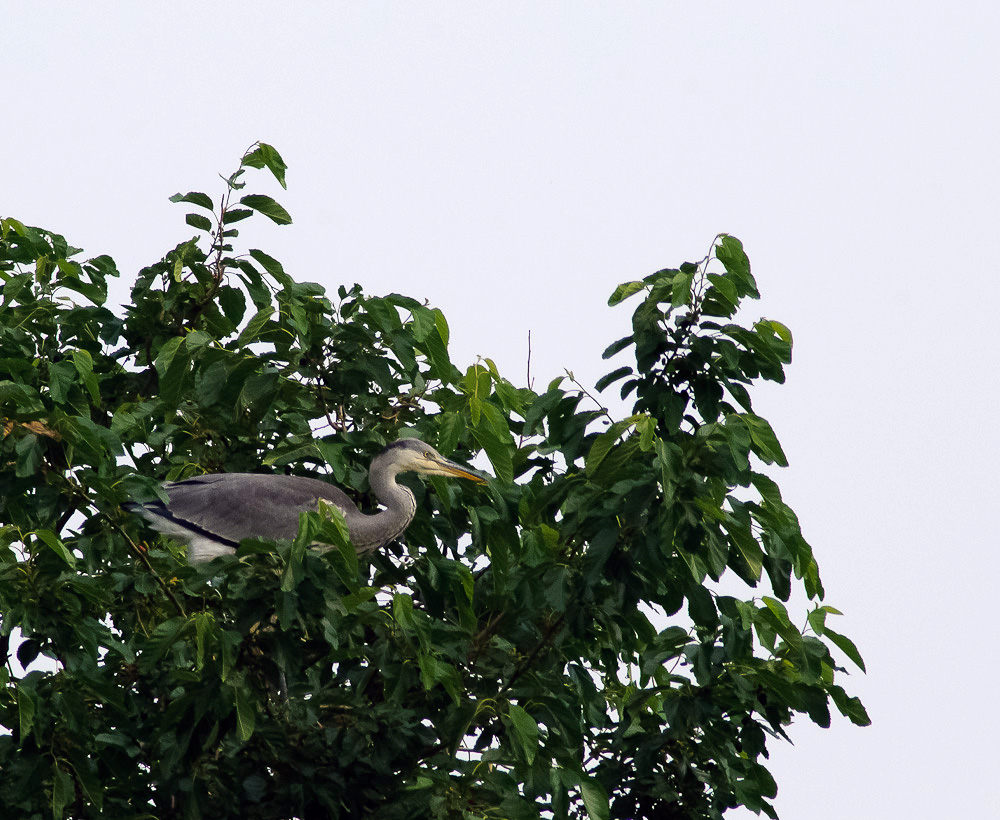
pixel 484 634
pixel 584 392
pixel 530 380
pixel 533 655
pixel 141 553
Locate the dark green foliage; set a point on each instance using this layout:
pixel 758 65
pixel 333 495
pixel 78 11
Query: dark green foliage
pixel 573 658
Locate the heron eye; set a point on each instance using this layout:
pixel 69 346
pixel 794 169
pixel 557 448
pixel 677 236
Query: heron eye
pixel 427 454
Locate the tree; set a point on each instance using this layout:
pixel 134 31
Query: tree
pixel 554 644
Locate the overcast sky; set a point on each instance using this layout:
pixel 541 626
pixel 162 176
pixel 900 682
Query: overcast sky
pixel 513 162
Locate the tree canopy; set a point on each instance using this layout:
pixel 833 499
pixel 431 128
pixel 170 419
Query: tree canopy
pixel 553 644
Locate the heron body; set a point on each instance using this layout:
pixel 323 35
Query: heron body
pixel 213 513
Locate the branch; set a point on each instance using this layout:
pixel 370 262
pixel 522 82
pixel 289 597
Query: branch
pixel 141 553
pixel 526 663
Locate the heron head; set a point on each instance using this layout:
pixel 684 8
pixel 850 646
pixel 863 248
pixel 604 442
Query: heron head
pixel 413 455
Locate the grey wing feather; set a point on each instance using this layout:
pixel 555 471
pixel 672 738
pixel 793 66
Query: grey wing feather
pixel 234 506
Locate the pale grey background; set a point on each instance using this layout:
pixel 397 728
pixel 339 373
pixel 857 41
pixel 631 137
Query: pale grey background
pixel 513 162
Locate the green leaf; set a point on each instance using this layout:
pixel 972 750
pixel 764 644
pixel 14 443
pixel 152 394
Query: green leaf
pixel 251 333
pixel 729 251
pixel 27 705
pixel 292 573
pixel 612 377
pixel 701 607
pixel 233 303
pixel 765 442
pixel 281 456
pixel 202 223
pixel 497 451
pixel 84 364
pixel 62 790
pixel 204 623
pixel 442 326
pixel 595 799
pixel 402 610
pixel 89 438
pixel 851 708
pixel 344 556
pixel 272 266
pixel 725 287
pixel 14 287
pixel 817 617
pixel 623 291
pixel 739 437
pixel 197 339
pixel 680 293
pixel 29 456
pixel 266 156
pixel 195 198
pixel 164 636
pixel 738 527
pixel 87 780
pixel 845 645
pixel 53 542
pixel 450 429
pixel 603 445
pixel 267 206
pixel 61 380
pixel 775 618
pixel 172 364
pixel 811 580
pixel 617 347
pixel 236 215
pixel 525 732
pixel 435 345
pixel 434 671
pixel 246 713
pixel 778 609
pixel 780 330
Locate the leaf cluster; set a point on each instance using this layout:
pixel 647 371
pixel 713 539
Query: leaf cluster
pixel 555 644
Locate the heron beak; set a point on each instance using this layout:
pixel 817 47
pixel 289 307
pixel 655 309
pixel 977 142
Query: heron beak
pixel 445 467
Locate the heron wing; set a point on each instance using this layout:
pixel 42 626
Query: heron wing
pixel 232 506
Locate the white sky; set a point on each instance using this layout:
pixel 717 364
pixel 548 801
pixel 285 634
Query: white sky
pixel 513 162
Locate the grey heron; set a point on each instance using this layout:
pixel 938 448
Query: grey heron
pixel 213 513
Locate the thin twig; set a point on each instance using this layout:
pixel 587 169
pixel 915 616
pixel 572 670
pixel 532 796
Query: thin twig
pixel 584 392
pixel 527 662
pixel 483 634
pixel 530 380
pixel 137 550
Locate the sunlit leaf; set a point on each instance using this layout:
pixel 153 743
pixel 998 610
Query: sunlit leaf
pixel 53 542
pixel 266 156
pixel 623 291
pixel 253 328
pixel 525 732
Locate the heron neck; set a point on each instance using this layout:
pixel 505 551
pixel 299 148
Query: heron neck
pixel 369 532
